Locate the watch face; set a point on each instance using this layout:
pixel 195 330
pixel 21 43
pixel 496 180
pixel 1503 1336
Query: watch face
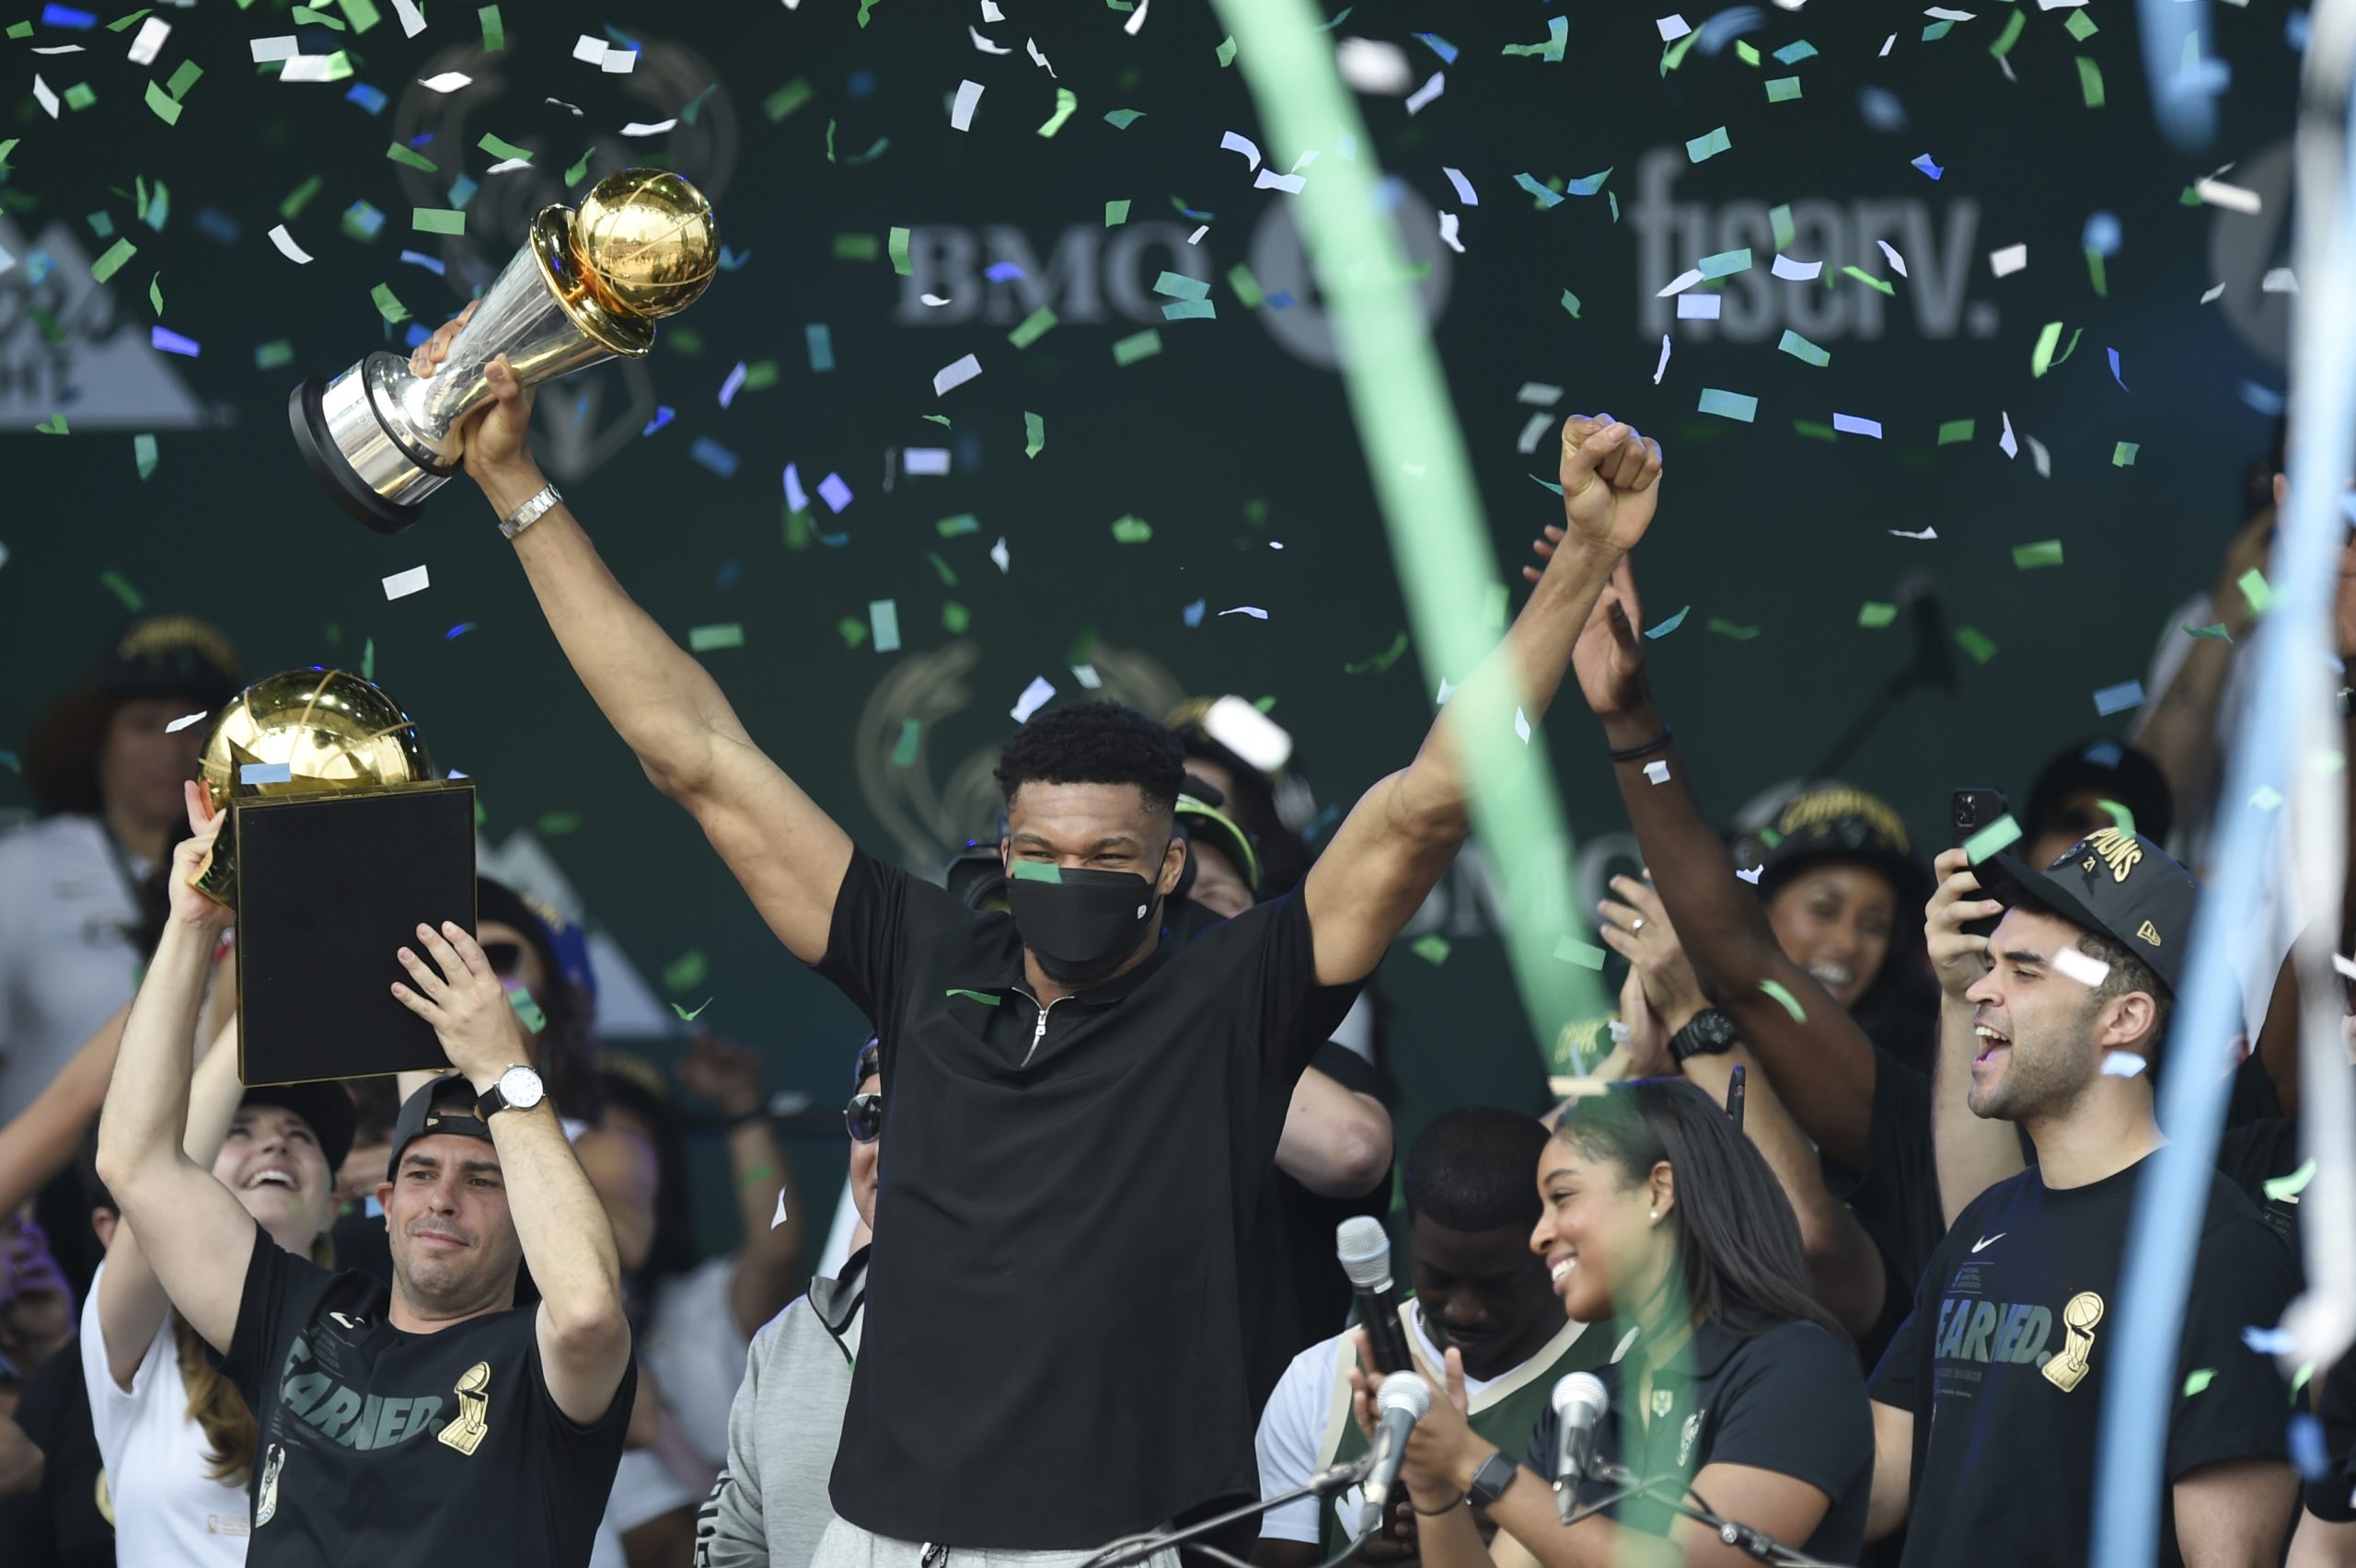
pixel 521 1088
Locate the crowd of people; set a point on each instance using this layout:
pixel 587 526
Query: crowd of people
pixel 1837 1232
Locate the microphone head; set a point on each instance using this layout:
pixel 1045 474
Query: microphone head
pixel 1582 1392
pixel 1363 1247
pixel 1404 1390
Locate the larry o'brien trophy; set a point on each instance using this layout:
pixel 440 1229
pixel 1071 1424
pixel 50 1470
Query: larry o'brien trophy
pixel 340 841
pixel 587 286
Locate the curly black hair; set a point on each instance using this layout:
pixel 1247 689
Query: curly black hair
pixel 1095 742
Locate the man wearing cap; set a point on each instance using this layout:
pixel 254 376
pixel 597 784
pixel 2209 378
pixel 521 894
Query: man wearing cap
pixel 1987 1405
pixel 2091 785
pixel 429 1423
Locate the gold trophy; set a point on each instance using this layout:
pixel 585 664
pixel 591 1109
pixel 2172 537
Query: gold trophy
pixel 587 286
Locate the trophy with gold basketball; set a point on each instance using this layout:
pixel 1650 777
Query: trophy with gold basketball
pixel 339 842
pixel 587 286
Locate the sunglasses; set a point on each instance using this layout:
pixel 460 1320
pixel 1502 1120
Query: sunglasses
pixel 505 957
pixel 864 1117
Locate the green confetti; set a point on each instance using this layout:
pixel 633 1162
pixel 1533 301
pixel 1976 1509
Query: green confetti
pixel 1571 303
pixel 155 293
pixel 124 24
pixel 1034 434
pixel 855 248
pixel 1707 146
pixel 108 265
pixel 687 1017
pixel 1570 949
pixel 2090 82
pixel 762 373
pixel 2080 26
pixel 1783 90
pixel 501 149
pixel 2120 818
pixel 2010 36
pixel 1432 948
pixel 556 824
pixel 6 148
pixel 1744 52
pixel 865 7
pixel 494 32
pixel 964 522
pixel 1973 640
pixel 852 631
pixel 1799 347
pixel 527 1010
pixel 1246 287
pixel 390 308
pixel 1874 614
pixel 1132 530
pixel 948 573
pixel 437 220
pixel 982 997
pixel 1883 284
pixel 705 639
pixel 2257 590
pixel 1724 627
pixel 142 451
pixel 271 356
pixel 2041 358
pixel 1780 220
pixel 2044 552
pixel 2217 630
pixel 117 585
pixel 302 14
pixel 1038 872
pixel 899 249
pixel 1674 55
pixel 2122 454
pixel 1814 430
pixel 1116 212
pixel 940 420
pixel 1031 328
pixel 299 198
pixel 368 658
pixel 572 176
pixel 687 970
pixel 184 76
pixel 1557 33
pixel 786 100
pixel 53 425
pixel 1954 432
pixel 2279 1189
pixel 1122 118
pixel 2199 1378
pixel 1226 51
pixel 80 96
pixel 954 618
pixel 1784 998
pixel 904 751
pixel 1136 346
pixel 2001 834
pixel 1730 405
pixel 830 140
pixel 1065 101
pixel 2097 274
pixel 1380 661
pixel 402 153
pixel 167 108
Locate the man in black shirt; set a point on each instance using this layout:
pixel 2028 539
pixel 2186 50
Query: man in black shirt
pixel 1987 1405
pixel 1079 1117
pixel 430 1424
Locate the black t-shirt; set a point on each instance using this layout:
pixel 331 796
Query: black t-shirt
pixel 1895 1193
pixel 59 1524
pixel 1070 1194
pixel 387 1448
pixel 2002 1359
pixel 1789 1400
pixel 1294 1290
pixel 2331 1496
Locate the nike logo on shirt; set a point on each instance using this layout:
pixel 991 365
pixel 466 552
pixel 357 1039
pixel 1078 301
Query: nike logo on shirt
pixel 1987 1240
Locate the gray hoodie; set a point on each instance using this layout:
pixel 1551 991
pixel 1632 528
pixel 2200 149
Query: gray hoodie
pixel 770 1506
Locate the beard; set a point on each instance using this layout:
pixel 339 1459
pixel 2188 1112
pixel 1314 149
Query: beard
pixel 2041 1081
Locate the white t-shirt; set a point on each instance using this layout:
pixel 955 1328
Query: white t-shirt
pixel 66 958
pixel 167 1507
pixel 695 1349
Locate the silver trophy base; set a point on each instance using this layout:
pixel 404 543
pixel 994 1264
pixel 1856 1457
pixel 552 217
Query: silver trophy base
pixel 356 454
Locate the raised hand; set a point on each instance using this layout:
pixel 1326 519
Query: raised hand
pixel 1609 657
pixel 465 1002
pixel 1611 479
pixel 723 1073
pixel 495 437
pixel 1635 926
pixel 1957 957
pixel 196 910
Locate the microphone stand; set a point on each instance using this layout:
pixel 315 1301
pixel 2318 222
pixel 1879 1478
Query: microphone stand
pixel 1732 1532
pixel 1333 1479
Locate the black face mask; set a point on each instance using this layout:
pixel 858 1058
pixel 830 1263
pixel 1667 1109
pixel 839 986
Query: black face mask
pixel 1081 925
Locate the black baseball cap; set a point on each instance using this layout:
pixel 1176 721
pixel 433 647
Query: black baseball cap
pixel 1832 820
pixel 169 656
pixel 2113 770
pixel 2117 884
pixel 326 1106
pixel 446 1105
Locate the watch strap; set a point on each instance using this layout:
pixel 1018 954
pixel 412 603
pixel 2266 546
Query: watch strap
pixel 534 507
pixel 1707 1034
pixel 493 1101
pixel 1489 1483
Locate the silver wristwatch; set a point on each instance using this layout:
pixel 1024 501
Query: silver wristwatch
pixel 534 507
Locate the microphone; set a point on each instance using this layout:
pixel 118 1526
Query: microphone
pixel 1363 1247
pixel 1579 1402
pixel 1403 1399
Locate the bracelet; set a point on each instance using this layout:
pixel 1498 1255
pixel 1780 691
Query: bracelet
pixel 1645 748
pixel 1435 1512
pixel 756 1177
pixel 535 505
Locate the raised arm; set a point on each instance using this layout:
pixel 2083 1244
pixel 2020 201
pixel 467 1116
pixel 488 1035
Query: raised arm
pixel 789 855
pixel 769 1250
pixel 1970 1155
pixel 1822 1064
pixel 1392 848
pixel 197 1238
pixel 1336 1141
pixel 568 1245
pixel 2180 730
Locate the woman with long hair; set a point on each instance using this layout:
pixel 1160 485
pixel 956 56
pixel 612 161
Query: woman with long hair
pixel 1737 1392
pixel 177 1439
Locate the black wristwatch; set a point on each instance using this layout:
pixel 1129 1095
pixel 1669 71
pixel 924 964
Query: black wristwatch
pixel 517 1089
pixel 1707 1034
pixel 1489 1483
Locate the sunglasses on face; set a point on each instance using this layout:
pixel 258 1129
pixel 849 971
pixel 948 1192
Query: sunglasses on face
pixel 864 1117
pixel 505 957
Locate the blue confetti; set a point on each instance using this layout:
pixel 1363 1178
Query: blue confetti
pixel 1546 484
pixel 2294 30
pixel 621 39
pixel 861 84
pixel 2261 399
pixel 420 139
pixel 1193 613
pixel 1927 166
pixel 796 498
pixel 1794 52
pixel 2309 1449
pixel 835 541
pixel 1322 821
pixel 1439 46
pixel 714 456
pixel 729 573
pixel 462 190
pixel 38 265
pixel 822 346
pixel 363 218
pixel 1665 627
pixel 416 334
pixel 2269 1341
pixel 1879 107
pixel 370 98
pixel 732 259
pixel 1280 300
pixel 1727 26
pixel 2101 234
pixel 216 225
pixel 834 493
pixel 457 632
pixel 661 416
pixel 2114 369
pixel 60 16
pixel 2104 753
pixel 171 342
pixel 1002 272
pixel 8 760
pixel 1587 184
pixel 1545 198
pixel 431 263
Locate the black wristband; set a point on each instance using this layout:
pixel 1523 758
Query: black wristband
pixel 1707 1034
pixel 1645 748
pixel 1435 1512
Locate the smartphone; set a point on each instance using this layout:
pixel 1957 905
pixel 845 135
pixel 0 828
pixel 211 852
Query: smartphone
pixel 1968 811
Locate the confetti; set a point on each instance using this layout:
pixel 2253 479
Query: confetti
pixel 1724 627
pixel 2088 972
pixel 1136 346
pixel 1432 948
pixel 705 639
pixel 1973 640
pixel 1876 615
pixel 835 493
pixel 1122 118
pixel 711 455
pixel 168 342
pixel 390 308
pixel 1557 34
pixel 109 264
pixel 1065 101
pixel 932 461
pixel 184 721
pixel 2044 552
pixel 2257 590
pixel 1784 998
pixel 2119 698
pixel 1783 90
pixel 447 82
pixel 1657 772
pixel 2011 258
pixel 2286 1189
pixel 1545 198
pixel 1729 405
pixel 437 220
pixel 1797 271
pixel 1429 91
pixel 1799 347
pixel 2122 454
pixel 1703 147
pixel 820 343
pixel 961 113
pixel 287 247
pixel 1034 434
pixel 2232 197
pixel 1928 166
pixel 884 617
pixel 401 584
pixel 955 375
pixel 1034 697
pixel 1116 212
pixel 688 969
pixel 1570 949
pixel 687 1015
pixel 1132 530
pixel 1657 632
pixel 265 773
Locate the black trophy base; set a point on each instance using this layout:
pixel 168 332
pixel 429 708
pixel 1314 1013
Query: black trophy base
pixel 305 413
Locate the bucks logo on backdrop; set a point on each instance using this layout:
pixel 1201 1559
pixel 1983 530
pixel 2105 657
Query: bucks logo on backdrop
pixel 101 372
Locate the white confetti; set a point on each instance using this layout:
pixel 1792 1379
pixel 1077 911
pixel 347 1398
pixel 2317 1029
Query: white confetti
pixel 2347 967
pixel 588 49
pixel 1672 28
pixel 1429 91
pixel 413 19
pixel 447 82
pixel 2008 261
pixel 619 62
pixel 1087 676
pixel 1539 393
pixel 928 460
pixel 2120 698
pixel 1269 179
pixel 779 1217
pixel 1797 271
pixel 2122 1064
pixel 648 127
pixel 1465 191
pixel 1941 14
pixel 1925 534
pixel 1235 141
pixel 1895 260
pixel 60 49
pixel 508 165
pixel 44 96
pixel 961 113
pixel 2042 458
pixel 1855 424
pixel 1446 690
pixel 1196 237
pixel 287 247
pixel 1521 725
pixel 1663 365
pixel 934 299
pixel 2232 197
pixel 985 45
pixel 2278 280
pixel 1657 772
pixel 307 68
pixel 955 373
pixel 1369 67
pixel 7 260
pixel 401 584
pixel 1036 58
pixel 2088 972
pixel 1752 875
pixel 1680 282
pixel 562 104
pixel 185 720
pixel 1537 426
pixel 1137 18
pixel 1252 610
pixel 999 556
pixel 1448 222
pixel 990 12
pixel 1886 44
pixel 1034 697
pixel 2213 294
pixel 1699 306
pixel 796 498
pixel 2008 443
pixel 149 41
